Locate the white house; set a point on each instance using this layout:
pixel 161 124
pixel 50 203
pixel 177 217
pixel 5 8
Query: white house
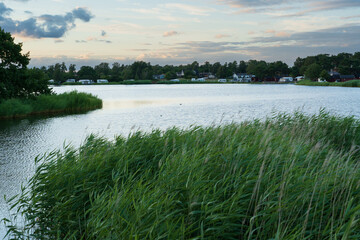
pixel 180 74
pixel 200 80
pixel 70 80
pixel 235 78
pixel 102 81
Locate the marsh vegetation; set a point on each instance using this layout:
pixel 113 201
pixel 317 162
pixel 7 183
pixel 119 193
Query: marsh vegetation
pixel 287 177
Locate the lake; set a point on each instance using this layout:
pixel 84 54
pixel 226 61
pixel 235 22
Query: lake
pixel 129 108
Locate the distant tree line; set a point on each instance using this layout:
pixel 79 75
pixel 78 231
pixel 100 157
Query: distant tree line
pixel 312 66
pixel 319 66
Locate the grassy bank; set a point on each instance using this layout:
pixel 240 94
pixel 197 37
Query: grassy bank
pixel 71 102
pixel 351 83
pixel 289 177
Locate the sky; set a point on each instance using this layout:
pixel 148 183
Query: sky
pixel 88 32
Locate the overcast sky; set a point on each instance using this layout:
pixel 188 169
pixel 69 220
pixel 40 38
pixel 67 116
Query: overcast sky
pixel 87 32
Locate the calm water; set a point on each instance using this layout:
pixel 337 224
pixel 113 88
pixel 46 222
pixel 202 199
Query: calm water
pixel 128 108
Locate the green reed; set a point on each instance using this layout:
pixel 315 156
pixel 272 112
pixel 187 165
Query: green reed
pixel 351 83
pixel 70 102
pixel 288 177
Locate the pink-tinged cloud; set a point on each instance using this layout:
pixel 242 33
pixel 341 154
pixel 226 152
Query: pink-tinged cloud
pixel 270 31
pixel 219 36
pixel 278 34
pixel 282 34
pixel 170 33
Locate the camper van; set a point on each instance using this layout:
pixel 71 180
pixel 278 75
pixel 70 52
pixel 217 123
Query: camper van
pixel 102 81
pixel 286 79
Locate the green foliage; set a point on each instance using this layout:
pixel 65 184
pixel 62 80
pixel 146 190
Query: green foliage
pixel 345 63
pixel 324 75
pixel 351 83
pixel 128 82
pixel 14 107
pixel 170 75
pixel 289 177
pixel 16 81
pixel 71 102
pixel 13 82
pixel 87 72
pixel 313 71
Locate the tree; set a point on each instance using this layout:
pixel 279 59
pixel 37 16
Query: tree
pixel 257 68
pixel 116 71
pixel 15 81
pixel 103 70
pixel 72 71
pixel 325 75
pixel 87 72
pixel 170 75
pixel 313 71
pixel 58 73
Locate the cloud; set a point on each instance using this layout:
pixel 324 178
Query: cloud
pixel 350 17
pixel 252 3
pixel 219 36
pixel 170 33
pixel 277 7
pixel 331 37
pixel 44 26
pixel 4 10
pixel 278 33
pixel 93 39
pixel 82 13
pixel 189 9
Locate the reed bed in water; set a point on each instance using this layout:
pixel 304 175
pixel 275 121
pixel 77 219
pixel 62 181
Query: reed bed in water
pixel 288 177
pixel 70 102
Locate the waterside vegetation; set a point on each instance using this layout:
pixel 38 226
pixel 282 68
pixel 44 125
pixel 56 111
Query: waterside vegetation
pixel 351 83
pixel 71 102
pixel 287 177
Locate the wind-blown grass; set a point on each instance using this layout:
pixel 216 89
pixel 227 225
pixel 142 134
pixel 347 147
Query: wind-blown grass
pixel 289 177
pixel 351 83
pixel 71 102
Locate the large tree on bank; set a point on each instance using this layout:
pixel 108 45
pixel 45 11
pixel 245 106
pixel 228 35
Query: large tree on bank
pixel 15 79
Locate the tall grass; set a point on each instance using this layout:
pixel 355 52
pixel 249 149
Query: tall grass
pixel 351 83
pixel 289 177
pixel 70 102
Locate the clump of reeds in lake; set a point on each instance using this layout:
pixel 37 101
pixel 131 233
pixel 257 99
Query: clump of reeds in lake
pixel 288 177
pixel 71 102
